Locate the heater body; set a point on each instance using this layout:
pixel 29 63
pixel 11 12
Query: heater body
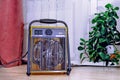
pixel 48 48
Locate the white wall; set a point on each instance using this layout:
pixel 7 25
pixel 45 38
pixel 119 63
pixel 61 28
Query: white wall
pixel 76 13
pixel 73 12
pixel 81 25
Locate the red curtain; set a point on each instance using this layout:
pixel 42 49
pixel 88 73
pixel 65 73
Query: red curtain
pixel 11 31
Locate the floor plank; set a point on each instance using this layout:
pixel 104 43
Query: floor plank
pixel 77 73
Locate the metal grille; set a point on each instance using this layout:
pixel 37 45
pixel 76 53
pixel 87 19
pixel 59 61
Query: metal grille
pixel 49 53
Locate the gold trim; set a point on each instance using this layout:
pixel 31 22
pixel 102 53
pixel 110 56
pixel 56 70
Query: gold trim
pixel 47 27
pixel 48 72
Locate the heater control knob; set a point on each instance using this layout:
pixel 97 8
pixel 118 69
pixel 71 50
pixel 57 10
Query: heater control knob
pixel 48 32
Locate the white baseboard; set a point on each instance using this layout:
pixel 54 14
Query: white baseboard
pixel 91 64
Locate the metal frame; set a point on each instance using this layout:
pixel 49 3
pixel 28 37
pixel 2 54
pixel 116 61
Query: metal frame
pixel 48 21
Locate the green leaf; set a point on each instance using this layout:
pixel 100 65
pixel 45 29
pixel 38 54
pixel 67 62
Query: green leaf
pixel 101 40
pixel 94 20
pixel 117 38
pixel 90 33
pixel 118 56
pixel 111 22
pixel 117 62
pixel 106 14
pixel 107 57
pixel 103 31
pixel 110 14
pixel 97 34
pixel 116 16
pixel 82 39
pixel 100 47
pixel 80 48
pixel 81 55
pixel 102 55
pixel 116 8
pixel 108 6
pixel 100 21
pixel 81 43
pixel 92 54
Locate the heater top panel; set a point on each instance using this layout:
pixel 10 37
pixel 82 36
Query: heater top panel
pixel 40 31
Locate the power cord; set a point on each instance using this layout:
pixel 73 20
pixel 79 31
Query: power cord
pixel 15 60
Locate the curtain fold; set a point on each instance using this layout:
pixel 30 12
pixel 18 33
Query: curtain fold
pixel 11 31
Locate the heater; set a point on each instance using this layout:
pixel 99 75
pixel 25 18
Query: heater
pixel 48 48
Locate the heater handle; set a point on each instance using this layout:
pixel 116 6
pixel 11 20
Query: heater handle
pixel 52 21
pixel 48 21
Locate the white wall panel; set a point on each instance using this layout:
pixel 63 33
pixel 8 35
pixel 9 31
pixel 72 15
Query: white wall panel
pixel 81 22
pixel 76 13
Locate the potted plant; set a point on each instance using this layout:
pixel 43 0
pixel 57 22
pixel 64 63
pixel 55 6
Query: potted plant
pixel 102 34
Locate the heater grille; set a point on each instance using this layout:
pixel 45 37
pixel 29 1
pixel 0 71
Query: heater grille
pixel 48 49
pixel 48 53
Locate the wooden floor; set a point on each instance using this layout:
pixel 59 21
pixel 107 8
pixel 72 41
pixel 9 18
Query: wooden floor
pixel 77 73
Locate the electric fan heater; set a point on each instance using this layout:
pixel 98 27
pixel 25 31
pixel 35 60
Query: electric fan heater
pixel 48 48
